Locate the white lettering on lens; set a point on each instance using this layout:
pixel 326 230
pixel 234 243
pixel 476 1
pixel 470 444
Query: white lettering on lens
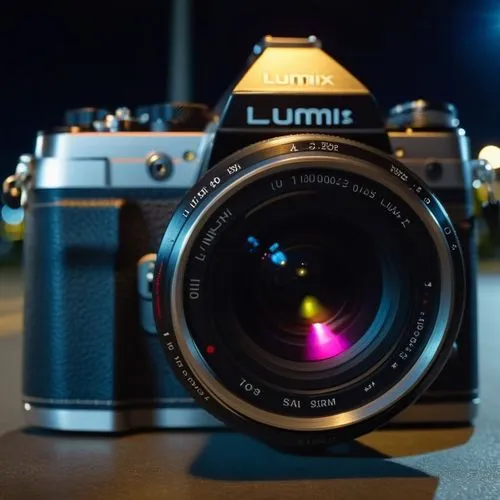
pixel 369 387
pixel 211 233
pixel 202 193
pixel 249 387
pixel 194 288
pixel 299 79
pixel 322 403
pixel 399 173
pixel 391 208
pixel 291 403
pixel 305 117
pixel 276 185
pixel 194 201
pixel 235 167
pixel 405 223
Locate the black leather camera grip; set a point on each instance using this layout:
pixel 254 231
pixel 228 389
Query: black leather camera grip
pixel 83 341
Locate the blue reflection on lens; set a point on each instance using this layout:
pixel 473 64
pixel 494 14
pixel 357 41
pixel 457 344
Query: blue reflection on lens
pixel 253 242
pixel 274 254
pixel 274 247
pixel 277 256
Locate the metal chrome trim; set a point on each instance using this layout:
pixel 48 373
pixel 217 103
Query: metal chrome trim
pixel 115 160
pixel 229 400
pixel 103 420
pixel 106 402
pixel 447 148
pixel 145 269
pixel 78 420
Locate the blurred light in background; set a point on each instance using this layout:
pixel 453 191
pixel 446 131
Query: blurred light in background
pixel 476 183
pixel 12 216
pixel 11 230
pixel 491 154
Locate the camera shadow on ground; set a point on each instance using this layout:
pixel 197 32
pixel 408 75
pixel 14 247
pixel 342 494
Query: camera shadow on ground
pixel 366 468
pixel 229 456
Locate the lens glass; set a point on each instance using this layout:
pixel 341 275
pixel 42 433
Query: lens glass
pixel 309 290
pixel 310 284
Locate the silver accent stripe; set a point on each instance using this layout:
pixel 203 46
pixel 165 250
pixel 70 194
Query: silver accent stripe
pixel 83 420
pixel 107 402
pixel 78 420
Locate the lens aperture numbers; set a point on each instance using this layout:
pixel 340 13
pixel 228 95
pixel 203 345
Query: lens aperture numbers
pixel 320 178
pixel 327 179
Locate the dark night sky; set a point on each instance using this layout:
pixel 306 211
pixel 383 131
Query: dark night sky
pixel 116 53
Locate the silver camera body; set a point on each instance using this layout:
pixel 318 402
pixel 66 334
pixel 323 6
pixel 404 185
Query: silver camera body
pixel 122 160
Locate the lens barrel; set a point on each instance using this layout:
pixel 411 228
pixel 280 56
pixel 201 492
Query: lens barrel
pixel 307 289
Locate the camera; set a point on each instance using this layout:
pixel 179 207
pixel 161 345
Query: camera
pixel 307 268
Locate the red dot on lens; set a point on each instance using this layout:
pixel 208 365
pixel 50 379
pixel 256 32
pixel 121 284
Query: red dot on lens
pixel 210 349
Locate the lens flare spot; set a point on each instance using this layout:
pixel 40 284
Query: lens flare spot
pixel 322 343
pixel 278 258
pixel 301 272
pixel 253 244
pixel 311 308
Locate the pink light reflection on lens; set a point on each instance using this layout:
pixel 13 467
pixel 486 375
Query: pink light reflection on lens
pixel 322 343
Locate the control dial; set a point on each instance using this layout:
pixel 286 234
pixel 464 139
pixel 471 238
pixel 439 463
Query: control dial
pixel 423 115
pixel 84 118
pixel 175 117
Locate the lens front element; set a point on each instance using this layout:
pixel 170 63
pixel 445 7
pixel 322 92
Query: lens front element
pixel 307 287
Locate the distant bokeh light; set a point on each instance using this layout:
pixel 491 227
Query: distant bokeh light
pixel 11 228
pixel 491 154
pixel 12 232
pixel 12 216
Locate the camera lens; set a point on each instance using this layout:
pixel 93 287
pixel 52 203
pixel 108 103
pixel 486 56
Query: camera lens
pixel 308 295
pixel 308 292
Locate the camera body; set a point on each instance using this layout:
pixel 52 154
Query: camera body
pixel 102 190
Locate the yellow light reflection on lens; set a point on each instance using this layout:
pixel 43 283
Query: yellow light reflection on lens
pixel 311 308
pixel 301 272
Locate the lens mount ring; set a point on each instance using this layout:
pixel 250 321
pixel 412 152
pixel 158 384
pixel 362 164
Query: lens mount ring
pixel 222 183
